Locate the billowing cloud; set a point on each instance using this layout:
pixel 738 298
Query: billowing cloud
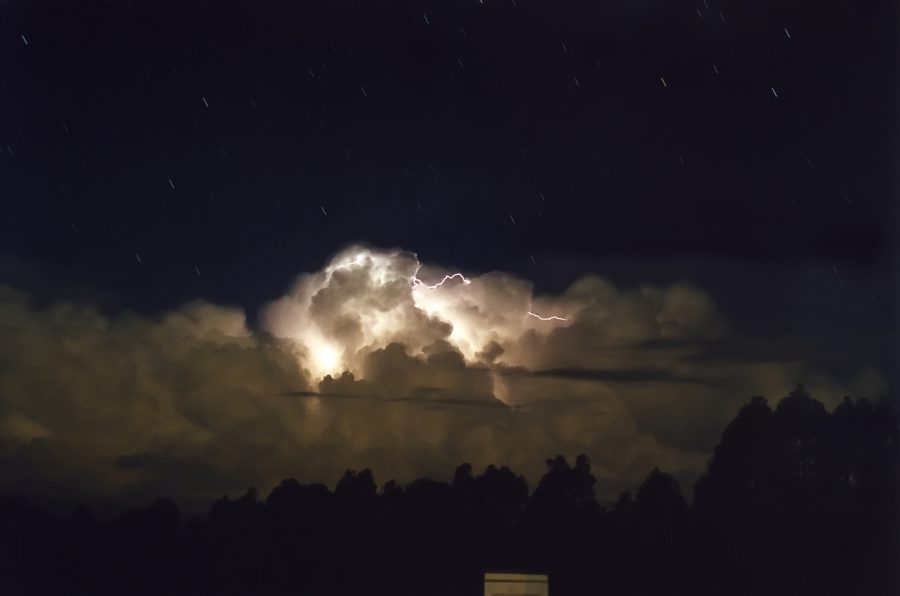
pixel 377 361
pixel 366 299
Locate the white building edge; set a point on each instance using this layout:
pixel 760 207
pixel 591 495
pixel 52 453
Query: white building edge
pixel 498 583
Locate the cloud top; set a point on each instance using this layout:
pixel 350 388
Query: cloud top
pixel 379 361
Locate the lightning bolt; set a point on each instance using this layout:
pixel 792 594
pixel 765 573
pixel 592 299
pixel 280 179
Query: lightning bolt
pixel 415 282
pixel 550 318
pixel 357 260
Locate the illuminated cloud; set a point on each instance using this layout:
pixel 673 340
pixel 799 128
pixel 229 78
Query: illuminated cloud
pixel 377 361
pixel 366 299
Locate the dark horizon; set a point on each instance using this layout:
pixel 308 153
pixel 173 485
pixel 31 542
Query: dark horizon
pixel 789 486
pixel 192 507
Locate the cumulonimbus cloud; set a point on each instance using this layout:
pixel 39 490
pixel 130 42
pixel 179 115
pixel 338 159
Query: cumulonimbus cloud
pixel 376 361
pixel 366 299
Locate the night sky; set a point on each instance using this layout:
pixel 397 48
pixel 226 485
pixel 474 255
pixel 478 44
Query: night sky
pixel 727 168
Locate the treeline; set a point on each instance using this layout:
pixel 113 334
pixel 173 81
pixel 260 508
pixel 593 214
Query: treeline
pixel 796 500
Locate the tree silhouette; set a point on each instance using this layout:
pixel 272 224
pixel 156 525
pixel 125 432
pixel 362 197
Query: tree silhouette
pixel 735 501
pixel 562 521
pixel 795 500
pixel 661 514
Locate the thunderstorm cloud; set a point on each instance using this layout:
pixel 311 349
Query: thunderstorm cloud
pixel 377 361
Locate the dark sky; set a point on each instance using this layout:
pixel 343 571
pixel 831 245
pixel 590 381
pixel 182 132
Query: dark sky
pixel 154 152
pixel 551 114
